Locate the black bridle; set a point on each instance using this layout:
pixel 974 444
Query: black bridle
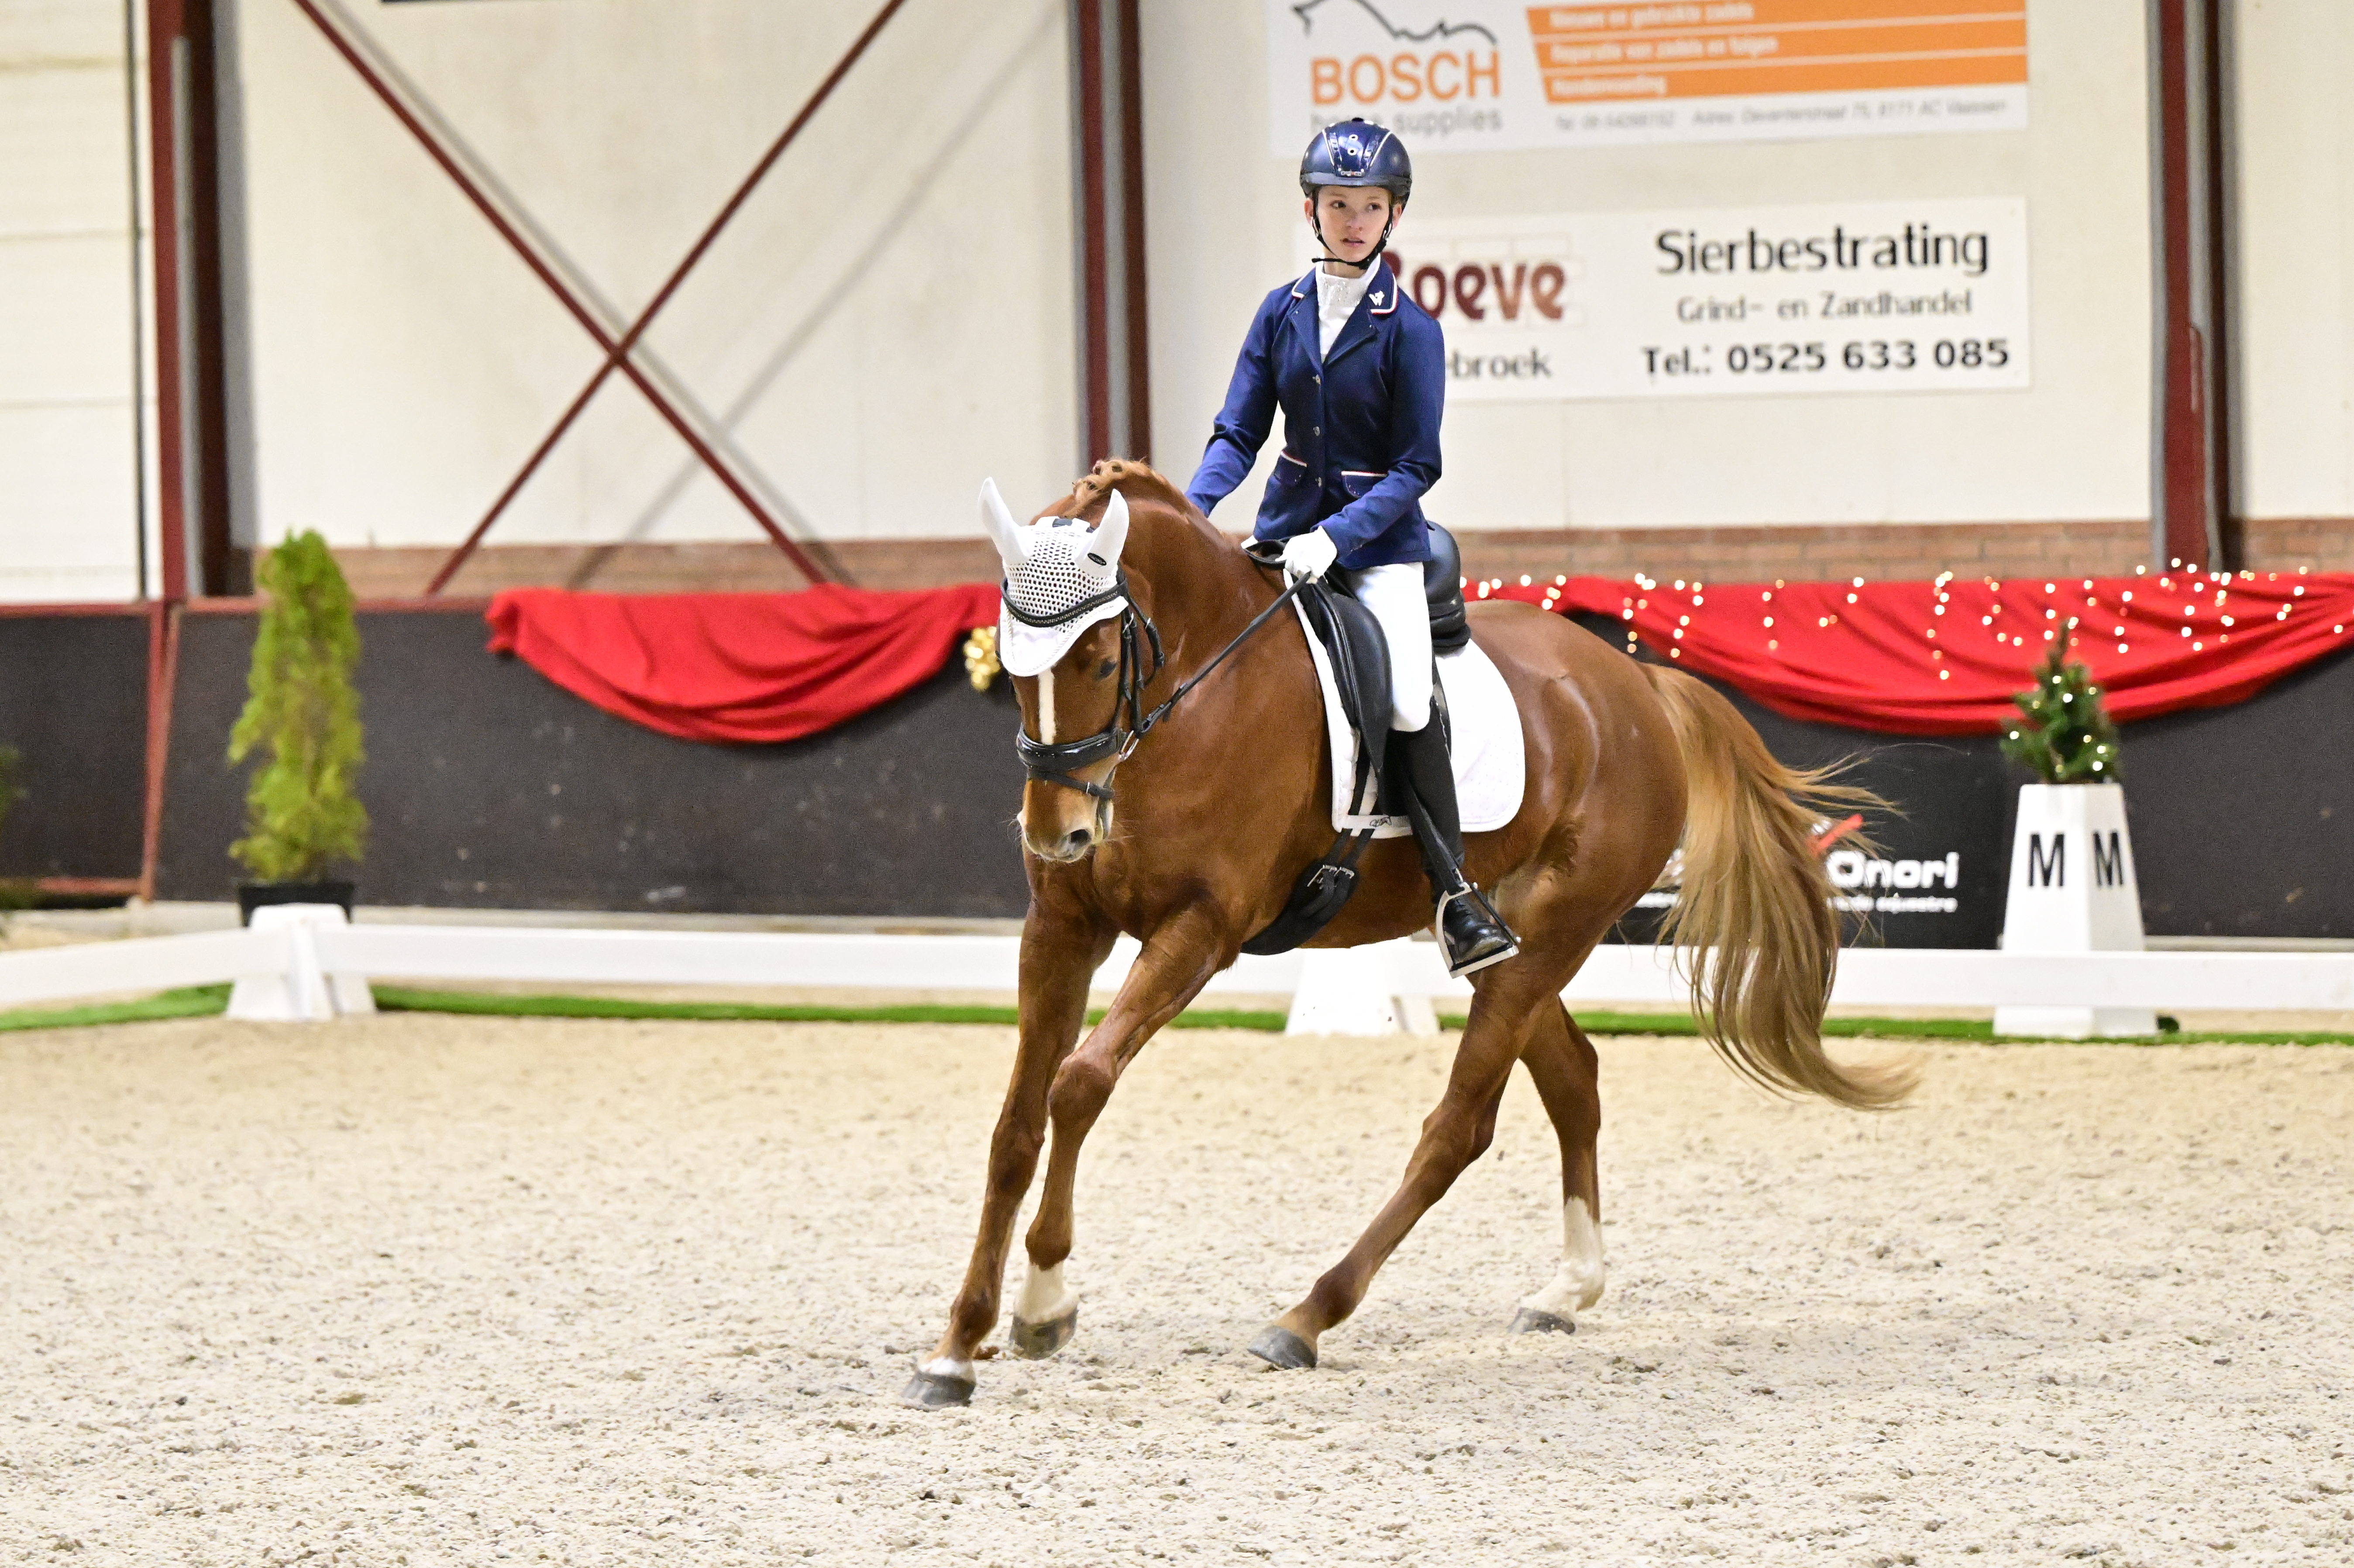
pixel 1058 762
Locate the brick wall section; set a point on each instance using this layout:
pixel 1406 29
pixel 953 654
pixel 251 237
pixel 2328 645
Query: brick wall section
pixel 2285 544
pixel 754 566
pixel 1875 552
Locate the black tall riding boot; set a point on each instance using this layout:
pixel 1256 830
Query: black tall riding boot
pixel 1470 932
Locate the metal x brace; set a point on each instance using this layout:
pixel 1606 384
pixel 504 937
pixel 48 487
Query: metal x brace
pixel 617 351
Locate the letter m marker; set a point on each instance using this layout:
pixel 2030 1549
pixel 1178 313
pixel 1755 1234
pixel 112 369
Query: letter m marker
pixel 2108 861
pixel 2050 871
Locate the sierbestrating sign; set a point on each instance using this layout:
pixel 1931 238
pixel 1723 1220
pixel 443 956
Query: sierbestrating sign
pixel 1490 75
pixel 1927 296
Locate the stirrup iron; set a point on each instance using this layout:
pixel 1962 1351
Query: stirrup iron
pixel 1492 943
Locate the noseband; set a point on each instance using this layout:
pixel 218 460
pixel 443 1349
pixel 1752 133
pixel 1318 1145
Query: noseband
pixel 1056 762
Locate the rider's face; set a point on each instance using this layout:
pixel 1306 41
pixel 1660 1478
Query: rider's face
pixel 1350 219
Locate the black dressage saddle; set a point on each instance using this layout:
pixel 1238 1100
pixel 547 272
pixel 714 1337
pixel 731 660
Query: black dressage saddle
pixel 1360 668
pixel 1360 655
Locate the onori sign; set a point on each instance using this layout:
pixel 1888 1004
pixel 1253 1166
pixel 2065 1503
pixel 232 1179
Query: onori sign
pixel 1763 302
pixel 1474 75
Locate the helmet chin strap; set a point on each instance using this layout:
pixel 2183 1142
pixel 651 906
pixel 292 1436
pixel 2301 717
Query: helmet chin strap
pixel 1372 256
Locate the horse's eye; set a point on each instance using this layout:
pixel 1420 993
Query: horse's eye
pixel 1104 671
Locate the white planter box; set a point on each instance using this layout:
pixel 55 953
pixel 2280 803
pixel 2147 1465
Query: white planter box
pixel 2073 891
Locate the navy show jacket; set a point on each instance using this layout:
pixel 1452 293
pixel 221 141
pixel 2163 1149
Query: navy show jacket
pixel 1360 425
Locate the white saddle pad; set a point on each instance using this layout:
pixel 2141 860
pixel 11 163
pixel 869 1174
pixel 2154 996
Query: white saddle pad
pixel 1490 771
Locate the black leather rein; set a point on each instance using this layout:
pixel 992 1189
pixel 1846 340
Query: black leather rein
pixel 1058 762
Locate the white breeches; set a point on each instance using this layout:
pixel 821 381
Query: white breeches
pixel 1396 597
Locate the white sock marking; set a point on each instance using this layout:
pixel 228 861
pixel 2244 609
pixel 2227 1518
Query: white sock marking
pixel 1044 1297
pixel 941 1366
pixel 1578 1284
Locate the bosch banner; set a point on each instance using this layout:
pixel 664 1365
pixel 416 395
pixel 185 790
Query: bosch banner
pixel 1488 75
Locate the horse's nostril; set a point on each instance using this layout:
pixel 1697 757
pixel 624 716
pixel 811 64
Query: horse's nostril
pixel 1078 839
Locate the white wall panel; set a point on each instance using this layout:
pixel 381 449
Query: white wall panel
pixel 66 528
pixel 889 319
pixel 73 463
pixel 2295 258
pixel 1224 217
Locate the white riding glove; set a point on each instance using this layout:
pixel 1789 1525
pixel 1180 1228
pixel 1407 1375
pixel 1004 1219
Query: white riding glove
pixel 1309 555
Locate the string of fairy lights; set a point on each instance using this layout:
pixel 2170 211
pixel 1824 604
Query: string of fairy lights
pixel 2206 613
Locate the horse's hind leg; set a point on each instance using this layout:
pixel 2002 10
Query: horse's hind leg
pixel 1561 1060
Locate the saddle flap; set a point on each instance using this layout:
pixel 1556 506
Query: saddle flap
pixel 1442 585
pixel 1360 655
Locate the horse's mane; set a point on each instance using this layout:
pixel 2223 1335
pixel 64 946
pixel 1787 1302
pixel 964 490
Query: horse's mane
pixel 1126 475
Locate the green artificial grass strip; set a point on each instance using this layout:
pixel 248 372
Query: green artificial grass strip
pixel 208 1000
pixel 196 1002
pixel 401 999
pixel 1683 1025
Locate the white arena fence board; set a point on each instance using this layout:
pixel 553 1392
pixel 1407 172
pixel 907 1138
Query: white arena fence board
pixel 733 958
pixel 554 956
pixel 144 963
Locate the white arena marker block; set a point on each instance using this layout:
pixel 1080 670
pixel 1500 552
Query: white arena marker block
pixel 1345 991
pixel 304 991
pixel 2073 891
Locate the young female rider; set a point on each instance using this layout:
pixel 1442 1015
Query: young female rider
pixel 1360 371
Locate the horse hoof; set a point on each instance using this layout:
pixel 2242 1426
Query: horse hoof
pixel 1528 1320
pixel 1036 1342
pixel 931 1390
pixel 1279 1347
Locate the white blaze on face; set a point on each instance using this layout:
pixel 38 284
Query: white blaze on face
pixel 1044 1297
pixel 1046 708
pixel 1579 1283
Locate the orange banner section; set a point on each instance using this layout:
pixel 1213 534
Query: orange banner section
pixel 1680 16
pixel 1721 49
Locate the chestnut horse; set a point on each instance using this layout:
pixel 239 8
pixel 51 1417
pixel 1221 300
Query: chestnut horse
pixel 1196 845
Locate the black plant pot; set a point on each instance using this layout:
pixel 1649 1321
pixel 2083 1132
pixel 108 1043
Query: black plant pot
pixel 252 896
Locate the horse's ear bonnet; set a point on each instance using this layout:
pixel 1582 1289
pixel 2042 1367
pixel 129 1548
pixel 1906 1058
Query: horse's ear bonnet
pixel 1060 579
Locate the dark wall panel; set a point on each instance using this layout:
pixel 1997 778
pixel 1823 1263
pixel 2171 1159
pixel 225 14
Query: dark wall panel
pixel 488 787
pixel 2243 817
pixel 73 700
pixel 491 788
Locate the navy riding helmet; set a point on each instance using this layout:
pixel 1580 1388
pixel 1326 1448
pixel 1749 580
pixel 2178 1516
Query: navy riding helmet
pixel 1357 152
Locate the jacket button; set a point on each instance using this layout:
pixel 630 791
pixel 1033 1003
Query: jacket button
pixel 1317 379
pixel 1316 431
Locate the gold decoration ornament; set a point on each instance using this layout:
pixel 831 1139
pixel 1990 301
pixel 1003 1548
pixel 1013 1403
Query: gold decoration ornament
pixel 981 666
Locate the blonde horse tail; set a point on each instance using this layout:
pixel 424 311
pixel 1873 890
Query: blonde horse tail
pixel 1753 920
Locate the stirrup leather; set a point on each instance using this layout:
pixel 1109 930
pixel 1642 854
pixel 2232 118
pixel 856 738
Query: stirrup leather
pixel 1461 964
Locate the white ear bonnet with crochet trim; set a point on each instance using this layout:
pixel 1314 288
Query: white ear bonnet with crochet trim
pixel 1052 566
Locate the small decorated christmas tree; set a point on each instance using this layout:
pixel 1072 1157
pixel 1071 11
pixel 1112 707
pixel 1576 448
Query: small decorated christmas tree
pixel 2063 734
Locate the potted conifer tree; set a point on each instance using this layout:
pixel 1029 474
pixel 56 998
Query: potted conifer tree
pixel 15 892
pixel 302 816
pixel 2071 869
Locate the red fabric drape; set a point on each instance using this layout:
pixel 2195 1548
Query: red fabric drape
pixel 1944 657
pixel 738 666
pixel 1912 658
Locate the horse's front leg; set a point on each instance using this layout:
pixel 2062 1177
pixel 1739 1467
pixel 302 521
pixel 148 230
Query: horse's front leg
pixel 1177 961
pixel 1060 953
